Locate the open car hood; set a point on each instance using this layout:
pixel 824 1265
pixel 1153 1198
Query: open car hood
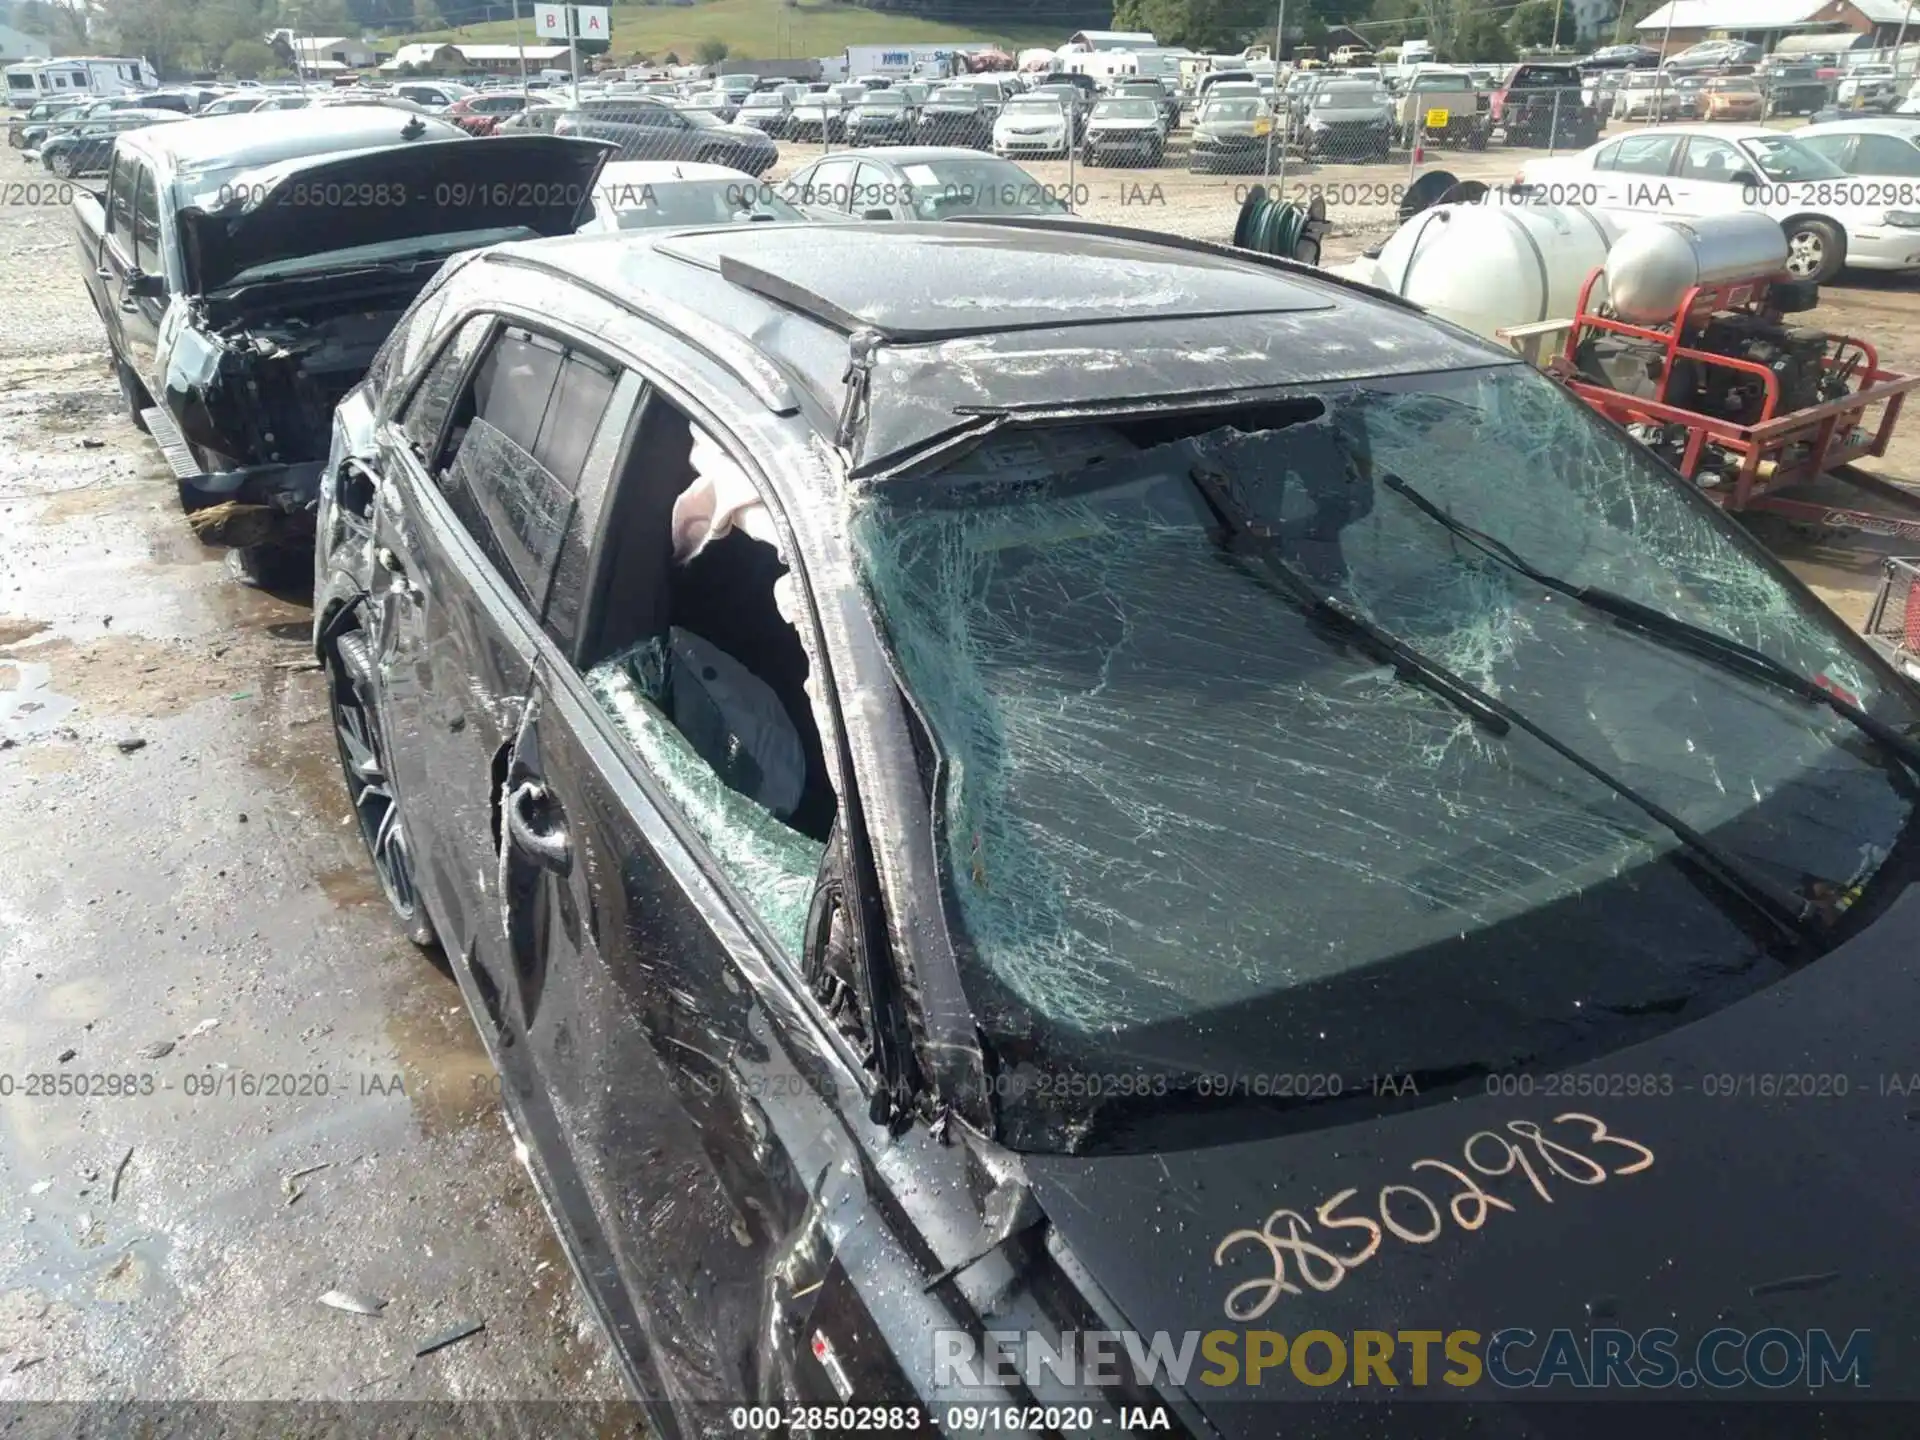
pixel 395 192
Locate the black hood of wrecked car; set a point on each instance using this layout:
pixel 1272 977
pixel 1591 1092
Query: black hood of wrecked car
pixel 543 183
pixel 1729 1199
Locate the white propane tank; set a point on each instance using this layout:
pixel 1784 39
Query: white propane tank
pixel 1488 267
pixel 1651 267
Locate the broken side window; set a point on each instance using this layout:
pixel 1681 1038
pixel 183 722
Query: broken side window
pixel 693 651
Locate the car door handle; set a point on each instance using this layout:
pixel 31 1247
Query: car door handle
pixel 535 824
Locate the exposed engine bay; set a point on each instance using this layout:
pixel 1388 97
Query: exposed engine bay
pixel 261 387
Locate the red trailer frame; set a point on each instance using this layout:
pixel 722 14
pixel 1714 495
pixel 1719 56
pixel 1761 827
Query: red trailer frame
pixel 1778 450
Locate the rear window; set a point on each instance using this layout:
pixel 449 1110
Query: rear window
pixel 1532 77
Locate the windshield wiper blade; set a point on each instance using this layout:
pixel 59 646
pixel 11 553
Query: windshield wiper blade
pixel 1787 913
pixel 1697 640
pixel 1241 530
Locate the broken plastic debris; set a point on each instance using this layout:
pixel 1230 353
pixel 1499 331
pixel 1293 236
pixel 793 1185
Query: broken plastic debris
pixel 119 1173
pixel 66 1055
pixel 202 1028
pixel 451 1337
pixel 290 1182
pixel 130 743
pixel 353 1304
pixel 155 1051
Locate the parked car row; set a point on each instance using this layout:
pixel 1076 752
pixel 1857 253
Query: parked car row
pixel 1647 95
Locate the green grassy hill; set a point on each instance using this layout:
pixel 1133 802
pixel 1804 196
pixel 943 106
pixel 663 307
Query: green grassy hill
pixel 762 29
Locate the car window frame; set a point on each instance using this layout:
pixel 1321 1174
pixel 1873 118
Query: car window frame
pixel 1707 145
pixel 146 186
pixel 808 185
pixel 1669 139
pixel 727 427
pixel 1858 153
pixel 1844 147
pixel 120 203
pixel 534 592
pixel 875 173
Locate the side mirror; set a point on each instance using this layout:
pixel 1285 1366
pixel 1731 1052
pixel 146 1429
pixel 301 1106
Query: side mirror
pixel 1746 179
pixel 876 214
pixel 143 286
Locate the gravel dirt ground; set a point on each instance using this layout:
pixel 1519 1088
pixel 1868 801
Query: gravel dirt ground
pixel 227 1085
pixel 186 913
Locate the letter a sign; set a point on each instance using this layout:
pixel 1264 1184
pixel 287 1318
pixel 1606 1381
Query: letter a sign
pixel 590 22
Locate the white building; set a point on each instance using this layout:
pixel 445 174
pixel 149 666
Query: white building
pixel 15 46
pixel 1592 19
pixel 339 50
pixel 451 59
pixel 1086 40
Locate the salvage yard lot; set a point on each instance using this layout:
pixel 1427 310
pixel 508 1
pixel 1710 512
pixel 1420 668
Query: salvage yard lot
pixel 184 906
pixel 190 937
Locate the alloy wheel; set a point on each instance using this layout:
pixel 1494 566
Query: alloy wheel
pixel 363 762
pixel 1805 254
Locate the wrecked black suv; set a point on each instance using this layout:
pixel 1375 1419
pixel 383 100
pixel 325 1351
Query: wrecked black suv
pixel 1012 777
pixel 248 267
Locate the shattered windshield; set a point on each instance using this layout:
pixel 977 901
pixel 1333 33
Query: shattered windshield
pixel 1184 830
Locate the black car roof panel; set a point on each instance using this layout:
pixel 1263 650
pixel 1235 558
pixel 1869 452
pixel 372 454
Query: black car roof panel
pixel 951 280
pixel 1275 329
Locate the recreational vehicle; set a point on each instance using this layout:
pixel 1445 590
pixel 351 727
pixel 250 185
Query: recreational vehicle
pixel 32 81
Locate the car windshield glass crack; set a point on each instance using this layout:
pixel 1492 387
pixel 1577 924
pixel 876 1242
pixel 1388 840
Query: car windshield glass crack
pixel 1163 796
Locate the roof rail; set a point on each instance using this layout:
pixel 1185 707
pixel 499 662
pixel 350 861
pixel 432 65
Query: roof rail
pixel 721 346
pixel 1185 242
pixel 785 293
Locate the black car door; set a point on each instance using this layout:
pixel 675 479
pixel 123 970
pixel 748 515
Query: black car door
pixel 133 272
pixel 112 256
pixel 459 598
pixel 653 909
pixel 145 298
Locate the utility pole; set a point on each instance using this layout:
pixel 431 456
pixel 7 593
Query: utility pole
pixel 1666 43
pixel 1906 13
pixel 520 41
pixel 1554 48
pixel 1282 112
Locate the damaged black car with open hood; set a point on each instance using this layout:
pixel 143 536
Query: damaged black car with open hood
pixel 248 267
pixel 988 784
